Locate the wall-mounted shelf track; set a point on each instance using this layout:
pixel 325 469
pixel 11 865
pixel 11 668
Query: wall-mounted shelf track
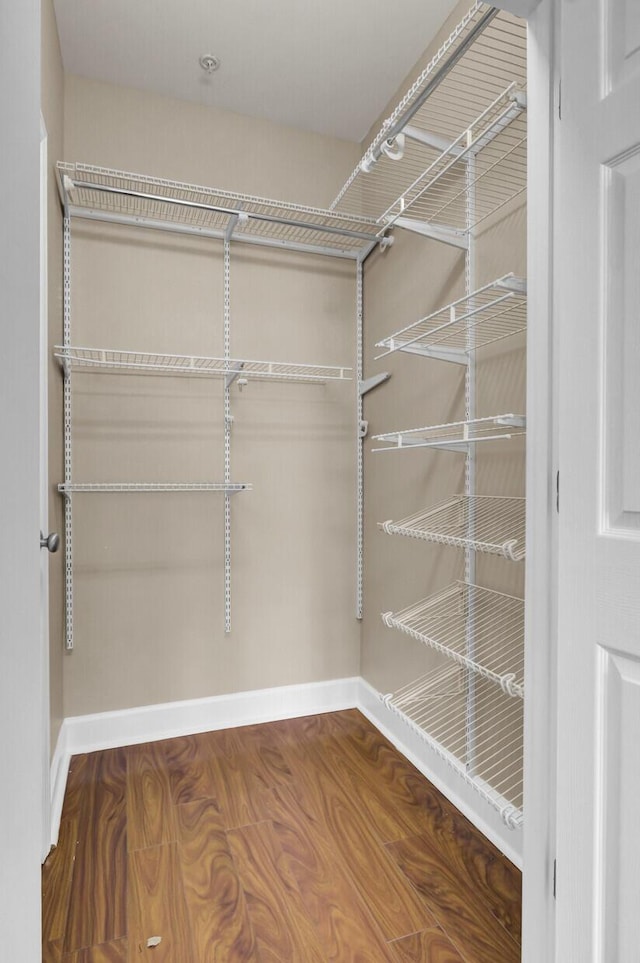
pixel 442 622
pixel 136 200
pixel 493 312
pixel 453 151
pixel 492 524
pixel 124 198
pixel 455 436
pixel 436 706
pixel 88 487
pixel 137 362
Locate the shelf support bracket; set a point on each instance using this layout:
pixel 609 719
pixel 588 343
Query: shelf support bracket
pixel 232 375
pixel 370 383
pixel 432 140
pixel 446 235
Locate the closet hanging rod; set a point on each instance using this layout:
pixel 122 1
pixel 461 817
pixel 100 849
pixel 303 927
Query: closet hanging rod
pixel 227 211
pixel 434 83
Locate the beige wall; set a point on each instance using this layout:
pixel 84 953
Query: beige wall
pixel 52 110
pixel 149 568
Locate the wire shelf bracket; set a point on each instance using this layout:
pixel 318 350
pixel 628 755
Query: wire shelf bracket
pixel 456 436
pixel 497 523
pixel 435 707
pixel 440 621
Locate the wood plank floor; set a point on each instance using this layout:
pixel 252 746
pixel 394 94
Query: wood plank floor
pixel 306 840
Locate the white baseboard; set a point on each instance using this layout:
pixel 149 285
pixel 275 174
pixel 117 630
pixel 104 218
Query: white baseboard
pixel 58 781
pixel 126 727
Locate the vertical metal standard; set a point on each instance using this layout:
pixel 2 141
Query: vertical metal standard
pixel 227 439
pixel 470 466
pixel 68 508
pixel 359 442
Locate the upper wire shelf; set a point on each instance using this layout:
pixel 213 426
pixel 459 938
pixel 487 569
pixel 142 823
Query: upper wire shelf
pixel 439 706
pixel 122 197
pixel 476 627
pixel 493 312
pixel 456 436
pixel 137 362
pixel 68 488
pixel 453 150
pixel 492 524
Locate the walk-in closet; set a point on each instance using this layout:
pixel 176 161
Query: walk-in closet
pixel 295 614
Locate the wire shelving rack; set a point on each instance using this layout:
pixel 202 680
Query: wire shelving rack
pixel 493 524
pixel 441 621
pixel 495 311
pixel 469 103
pixel 123 197
pixel 455 436
pixel 138 362
pixel 97 487
pixel 436 707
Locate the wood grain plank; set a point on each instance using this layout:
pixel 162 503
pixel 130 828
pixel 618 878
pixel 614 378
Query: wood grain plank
pixel 150 816
pixel 52 951
pixel 396 906
pixel 190 776
pixel 113 952
pixel 261 751
pixel 280 923
pixel 458 910
pixel 97 906
pixel 310 862
pixel 239 786
pixel 79 776
pixel 396 791
pixel 57 876
pixel 157 907
pixel 430 946
pixel 220 923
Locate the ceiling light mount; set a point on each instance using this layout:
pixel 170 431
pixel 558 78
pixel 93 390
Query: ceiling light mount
pixel 209 63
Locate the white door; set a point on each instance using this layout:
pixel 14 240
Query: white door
pixel 598 315
pixel 21 690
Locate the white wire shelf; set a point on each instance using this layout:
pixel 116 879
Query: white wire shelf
pixel 476 627
pixel 455 436
pixel 123 197
pixel 474 728
pixel 492 524
pixel 453 150
pixel 493 312
pixel 136 362
pixel 69 488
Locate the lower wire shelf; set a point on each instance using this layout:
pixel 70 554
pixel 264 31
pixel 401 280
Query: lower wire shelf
pixel 474 727
pixel 485 523
pixel 455 436
pixel 478 628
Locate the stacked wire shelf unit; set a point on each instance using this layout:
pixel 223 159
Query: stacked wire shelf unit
pixel 451 155
pixel 120 197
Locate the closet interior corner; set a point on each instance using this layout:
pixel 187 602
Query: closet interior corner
pixel 429 234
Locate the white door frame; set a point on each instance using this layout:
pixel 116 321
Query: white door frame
pixel 44 487
pixel 538 907
pixel 20 642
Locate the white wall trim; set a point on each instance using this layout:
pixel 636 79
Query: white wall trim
pixel 58 781
pixel 125 727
